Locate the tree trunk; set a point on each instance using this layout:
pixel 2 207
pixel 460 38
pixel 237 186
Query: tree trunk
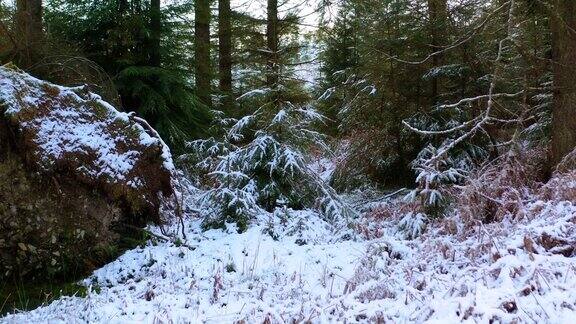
pixel 437 12
pixel 202 50
pixel 225 53
pixel 272 43
pixel 122 6
pixel 155 33
pixel 563 27
pixel 29 29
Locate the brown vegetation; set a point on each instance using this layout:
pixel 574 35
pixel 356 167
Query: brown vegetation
pixel 61 213
pixel 503 187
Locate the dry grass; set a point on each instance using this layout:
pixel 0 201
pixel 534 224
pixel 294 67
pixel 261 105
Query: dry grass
pixel 562 185
pixel 373 223
pixel 502 188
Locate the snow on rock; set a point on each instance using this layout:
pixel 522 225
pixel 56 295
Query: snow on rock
pixel 71 130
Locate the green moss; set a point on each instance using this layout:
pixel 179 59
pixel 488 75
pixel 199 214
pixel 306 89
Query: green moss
pixel 98 109
pixel 50 90
pixel 132 132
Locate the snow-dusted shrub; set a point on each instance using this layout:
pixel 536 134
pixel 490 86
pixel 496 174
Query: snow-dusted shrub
pixel 302 226
pixel 384 215
pixel 412 225
pixel 260 165
pixel 397 213
pixel 562 185
pixel 377 148
pixel 503 187
pixel 370 269
pixel 435 175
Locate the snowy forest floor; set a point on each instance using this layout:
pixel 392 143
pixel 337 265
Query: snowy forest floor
pixel 509 271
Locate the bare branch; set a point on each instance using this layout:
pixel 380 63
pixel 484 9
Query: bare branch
pixel 472 99
pixel 458 43
pixel 477 123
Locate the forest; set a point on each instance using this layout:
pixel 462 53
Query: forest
pixel 287 161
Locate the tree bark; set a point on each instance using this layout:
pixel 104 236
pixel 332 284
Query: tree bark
pixel 202 50
pixel 225 53
pixel 272 44
pixel 122 6
pixel 29 28
pixel 563 25
pixel 155 33
pixel 437 15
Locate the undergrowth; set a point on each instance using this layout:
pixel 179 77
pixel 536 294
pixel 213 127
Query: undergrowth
pixel 18 295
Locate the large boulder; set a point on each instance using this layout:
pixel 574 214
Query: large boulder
pixel 75 175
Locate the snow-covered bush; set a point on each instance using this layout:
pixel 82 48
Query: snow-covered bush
pixel 502 188
pixel 260 165
pixel 385 214
pixel 562 185
pixel 434 175
pixel 412 225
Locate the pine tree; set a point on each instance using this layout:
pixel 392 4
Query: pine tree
pixel 437 15
pixel 155 33
pixel 202 59
pixel 272 62
pixel 564 56
pixel 144 48
pixel 261 163
pixel 225 54
pixel 30 30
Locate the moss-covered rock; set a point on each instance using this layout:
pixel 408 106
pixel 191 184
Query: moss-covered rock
pixel 73 173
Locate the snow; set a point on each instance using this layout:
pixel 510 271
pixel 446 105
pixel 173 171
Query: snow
pixel 290 265
pixel 65 129
pixel 323 167
pixel 266 274
pixel 81 135
pixel 254 93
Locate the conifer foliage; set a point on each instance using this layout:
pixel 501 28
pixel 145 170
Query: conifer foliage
pixel 260 164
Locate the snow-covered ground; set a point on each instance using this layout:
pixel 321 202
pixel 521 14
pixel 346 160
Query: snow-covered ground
pixel 511 271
